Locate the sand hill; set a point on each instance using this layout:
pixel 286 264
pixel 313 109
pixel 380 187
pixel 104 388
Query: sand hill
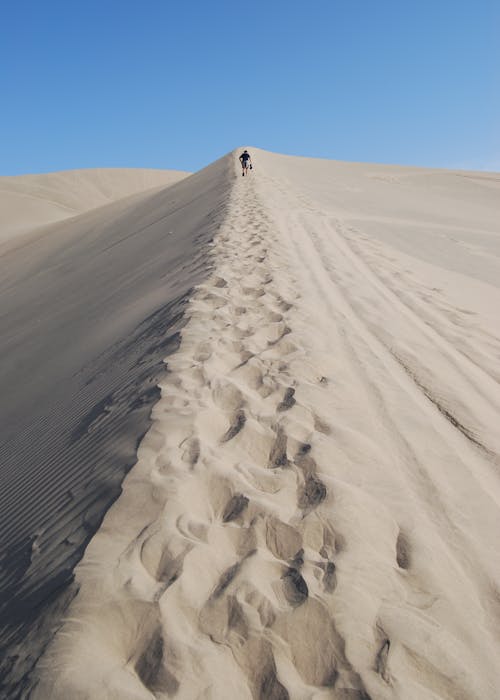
pixel 31 201
pixel 314 510
pixel 90 307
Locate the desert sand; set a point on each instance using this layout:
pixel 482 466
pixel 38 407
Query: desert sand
pixel 314 511
pixel 89 308
pixel 28 202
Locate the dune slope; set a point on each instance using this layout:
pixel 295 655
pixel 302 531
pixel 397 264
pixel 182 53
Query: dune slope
pixel 314 511
pixel 89 308
pixel 28 202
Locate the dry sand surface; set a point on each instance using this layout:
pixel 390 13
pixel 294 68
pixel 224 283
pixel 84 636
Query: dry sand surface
pixel 314 512
pixel 29 202
pixel 89 308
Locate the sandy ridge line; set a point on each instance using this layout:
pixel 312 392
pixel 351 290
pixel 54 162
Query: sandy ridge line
pixel 210 584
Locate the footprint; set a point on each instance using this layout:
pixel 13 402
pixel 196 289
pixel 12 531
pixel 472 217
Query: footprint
pixel 234 507
pixel 251 374
pixel 252 292
pixel 151 669
pixel 294 587
pixel 236 426
pixel 225 579
pixel 256 656
pixel 403 551
pixel 282 540
pixel 321 426
pixel 284 305
pixel 279 332
pixel 304 449
pixel 203 352
pixel 277 456
pixel 226 395
pixel 170 567
pixel 329 577
pixel 220 282
pixel 274 317
pixel 382 658
pixel 312 493
pixel 244 357
pixel 215 300
pixel 191 452
pixel 288 400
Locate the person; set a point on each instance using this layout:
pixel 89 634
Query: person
pixel 245 161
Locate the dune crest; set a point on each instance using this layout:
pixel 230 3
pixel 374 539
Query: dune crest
pixel 314 510
pixel 90 309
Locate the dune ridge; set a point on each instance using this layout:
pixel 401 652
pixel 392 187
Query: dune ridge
pixel 90 309
pixel 314 511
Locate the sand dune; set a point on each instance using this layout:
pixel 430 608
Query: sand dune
pixel 90 307
pixel 31 201
pixel 314 511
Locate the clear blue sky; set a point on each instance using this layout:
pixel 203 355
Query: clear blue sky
pixel 178 83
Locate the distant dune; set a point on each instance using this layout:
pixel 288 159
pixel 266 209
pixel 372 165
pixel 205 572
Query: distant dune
pixel 314 510
pixel 32 201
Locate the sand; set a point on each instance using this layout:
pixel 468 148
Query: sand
pixel 89 308
pixel 314 512
pixel 29 202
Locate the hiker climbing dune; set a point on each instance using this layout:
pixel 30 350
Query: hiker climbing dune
pixel 246 162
